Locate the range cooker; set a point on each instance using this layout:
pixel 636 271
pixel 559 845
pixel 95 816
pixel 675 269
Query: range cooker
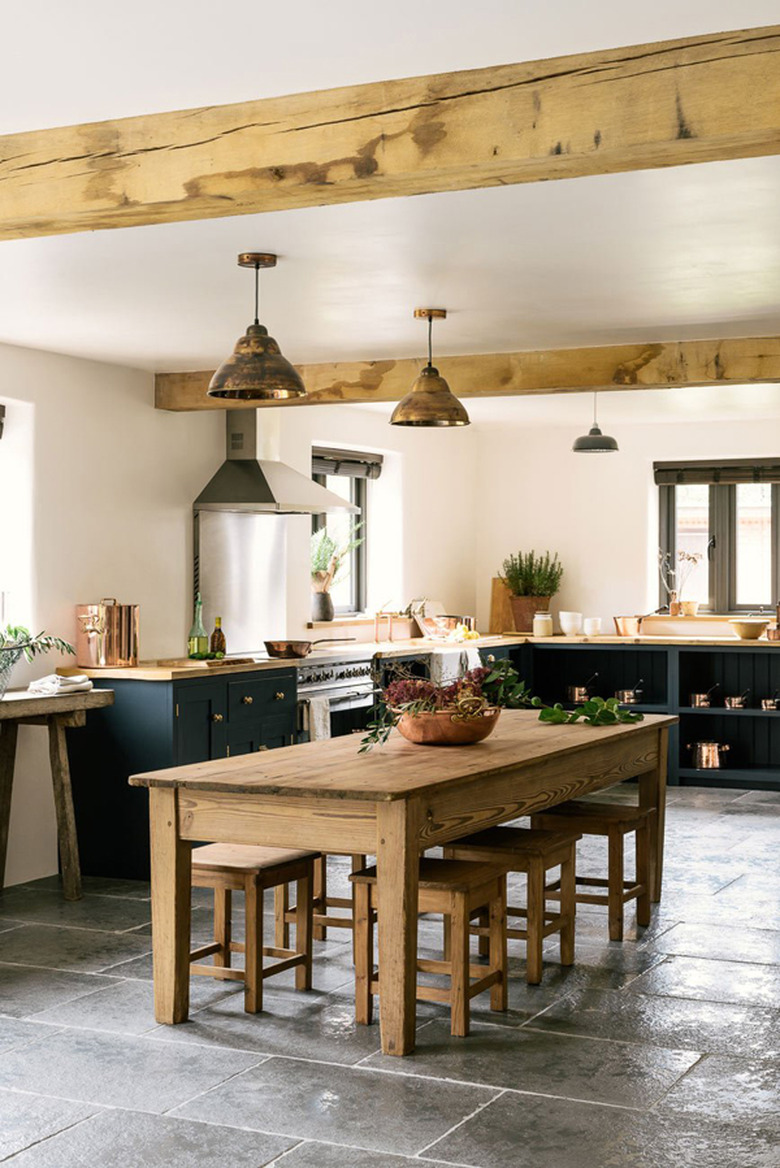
pixel 349 686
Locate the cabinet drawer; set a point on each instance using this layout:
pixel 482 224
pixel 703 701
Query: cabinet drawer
pixel 251 699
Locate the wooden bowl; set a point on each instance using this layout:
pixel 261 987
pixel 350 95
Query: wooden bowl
pixel 749 629
pixel 438 728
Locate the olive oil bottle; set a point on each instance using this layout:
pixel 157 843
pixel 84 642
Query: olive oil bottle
pixel 217 643
pixel 198 640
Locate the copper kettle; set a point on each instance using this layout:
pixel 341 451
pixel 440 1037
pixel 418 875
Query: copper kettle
pixel 706 755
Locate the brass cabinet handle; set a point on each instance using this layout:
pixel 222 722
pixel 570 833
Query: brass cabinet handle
pixel 247 699
pixel 279 697
pixel 217 718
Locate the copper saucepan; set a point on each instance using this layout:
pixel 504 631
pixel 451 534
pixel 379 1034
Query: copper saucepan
pixel 288 649
pixel 703 701
pixel 580 693
pixel 738 702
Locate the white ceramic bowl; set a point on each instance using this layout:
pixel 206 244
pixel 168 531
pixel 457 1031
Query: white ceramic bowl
pixel 570 622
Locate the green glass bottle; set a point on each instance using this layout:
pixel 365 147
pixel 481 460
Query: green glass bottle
pixel 198 640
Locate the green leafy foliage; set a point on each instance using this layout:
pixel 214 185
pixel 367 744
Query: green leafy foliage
pixel 526 574
pixel 16 638
pixel 328 556
pixel 596 712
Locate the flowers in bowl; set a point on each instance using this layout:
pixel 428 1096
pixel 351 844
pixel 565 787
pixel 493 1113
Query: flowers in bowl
pixel 458 714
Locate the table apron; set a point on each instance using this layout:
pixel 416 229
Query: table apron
pixel 496 799
pixel 338 825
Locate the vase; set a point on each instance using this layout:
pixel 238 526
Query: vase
pixel 321 606
pixel 524 608
pixel 440 728
pixel 8 658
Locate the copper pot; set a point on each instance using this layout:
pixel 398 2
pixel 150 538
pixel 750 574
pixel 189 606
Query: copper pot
pixel 706 755
pixel 580 693
pixel 739 702
pixel 770 703
pixel 630 697
pixel 702 701
pixel 106 634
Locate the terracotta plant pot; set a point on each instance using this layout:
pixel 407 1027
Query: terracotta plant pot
pixel 523 609
pixel 438 728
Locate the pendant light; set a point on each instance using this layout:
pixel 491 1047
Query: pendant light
pixel 594 442
pixel 430 401
pixel 256 369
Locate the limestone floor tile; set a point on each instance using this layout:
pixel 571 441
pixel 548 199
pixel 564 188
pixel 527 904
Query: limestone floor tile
pixel 78 950
pixel 749 1031
pixel 622 956
pixel 713 981
pixel 758 797
pixel 26 990
pixel 353 1106
pixel 589 1069
pixel 127 1007
pixel 14 1032
pixel 121 1139
pixel 731 1090
pixel 311 1154
pixel 113 1070
pixel 688 939
pixel 42 906
pixel 300 1025
pixel 522 1131
pixel 27 1118
pixel 100 885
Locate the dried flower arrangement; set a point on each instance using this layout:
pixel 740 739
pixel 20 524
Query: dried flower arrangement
pixel 674 579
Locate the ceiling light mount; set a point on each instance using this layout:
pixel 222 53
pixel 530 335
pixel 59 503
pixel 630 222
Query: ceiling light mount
pixel 256 369
pixel 430 401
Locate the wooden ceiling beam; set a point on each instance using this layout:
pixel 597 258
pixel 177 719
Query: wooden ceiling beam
pixel 698 99
pixel 660 365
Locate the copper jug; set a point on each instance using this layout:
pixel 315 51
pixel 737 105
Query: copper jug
pixel 106 634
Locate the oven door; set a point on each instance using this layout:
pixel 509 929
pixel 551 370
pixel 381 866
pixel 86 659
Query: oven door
pixel 350 709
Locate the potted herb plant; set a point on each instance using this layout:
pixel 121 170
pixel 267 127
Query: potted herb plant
pixel 328 566
pixel 533 581
pixel 16 640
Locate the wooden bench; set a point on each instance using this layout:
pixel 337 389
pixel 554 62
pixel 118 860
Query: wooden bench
pixel 534 852
pixel 615 821
pixel 239 867
pixel 457 889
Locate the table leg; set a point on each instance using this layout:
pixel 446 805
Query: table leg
pixel 8 735
pixel 652 793
pixel 63 806
pixel 397 888
pixel 171 894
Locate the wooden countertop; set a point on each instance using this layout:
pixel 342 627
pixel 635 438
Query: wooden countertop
pixel 20 703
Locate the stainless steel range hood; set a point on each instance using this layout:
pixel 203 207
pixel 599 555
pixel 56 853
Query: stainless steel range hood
pixel 245 483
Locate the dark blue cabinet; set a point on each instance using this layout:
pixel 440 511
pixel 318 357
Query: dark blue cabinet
pixel 157 724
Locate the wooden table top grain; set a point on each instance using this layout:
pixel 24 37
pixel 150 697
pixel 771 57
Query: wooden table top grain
pixel 20 703
pixel 334 769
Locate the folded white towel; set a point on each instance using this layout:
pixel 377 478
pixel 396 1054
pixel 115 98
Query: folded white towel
pixel 56 684
pixel 470 659
pixel 316 718
pixel 444 667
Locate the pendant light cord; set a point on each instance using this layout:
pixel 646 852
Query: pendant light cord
pixel 595 399
pixel 257 294
pixel 430 340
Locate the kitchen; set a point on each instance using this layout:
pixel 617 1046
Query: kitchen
pixel 97 488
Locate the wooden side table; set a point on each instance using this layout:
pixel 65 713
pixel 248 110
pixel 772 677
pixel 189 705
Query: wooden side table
pixel 21 708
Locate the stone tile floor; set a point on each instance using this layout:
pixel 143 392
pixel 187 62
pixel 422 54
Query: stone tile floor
pixel 663 1051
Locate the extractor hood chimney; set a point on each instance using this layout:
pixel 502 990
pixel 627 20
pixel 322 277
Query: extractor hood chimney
pixel 248 484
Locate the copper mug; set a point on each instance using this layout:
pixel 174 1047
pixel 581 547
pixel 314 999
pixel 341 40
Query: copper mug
pixel 706 755
pixel 737 703
pixel 703 701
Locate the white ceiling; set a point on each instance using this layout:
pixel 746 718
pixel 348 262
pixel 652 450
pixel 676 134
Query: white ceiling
pixel 685 252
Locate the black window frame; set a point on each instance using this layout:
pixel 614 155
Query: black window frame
pixel 358 468
pixel 722 546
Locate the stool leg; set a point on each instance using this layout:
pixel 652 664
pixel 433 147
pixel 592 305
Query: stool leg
pixel 281 926
pixel 535 921
pixel 483 920
pixel 364 954
pixel 643 873
pixel 568 906
pixel 320 894
pixel 358 862
pixel 497 912
pixel 459 966
pixel 253 986
pixel 615 886
pixel 303 929
pixel 446 919
pixel 223 930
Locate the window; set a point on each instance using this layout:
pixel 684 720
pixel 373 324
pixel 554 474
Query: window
pixel 729 513
pixel 346 473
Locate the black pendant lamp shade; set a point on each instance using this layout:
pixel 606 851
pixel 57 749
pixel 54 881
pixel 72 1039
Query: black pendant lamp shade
pixel 430 401
pixel 256 369
pixel 594 442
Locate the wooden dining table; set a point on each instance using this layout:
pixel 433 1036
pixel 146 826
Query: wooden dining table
pixel 393 802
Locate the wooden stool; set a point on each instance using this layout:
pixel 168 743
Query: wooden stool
pixel 237 867
pixel 533 852
pixel 457 889
pixel 613 820
pixel 284 912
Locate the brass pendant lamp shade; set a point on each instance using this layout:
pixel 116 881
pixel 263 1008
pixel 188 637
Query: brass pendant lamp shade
pixel 594 442
pixel 256 369
pixel 430 401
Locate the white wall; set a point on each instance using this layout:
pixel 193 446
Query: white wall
pixel 96 488
pixel 599 512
